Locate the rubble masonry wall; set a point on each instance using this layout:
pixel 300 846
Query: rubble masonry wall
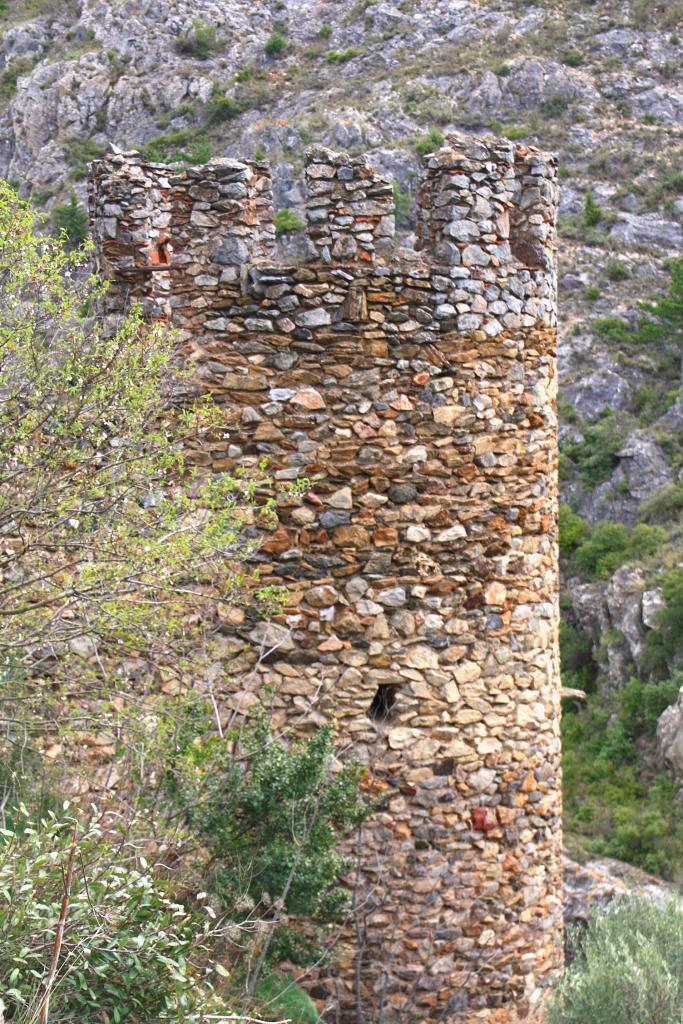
pixel 419 389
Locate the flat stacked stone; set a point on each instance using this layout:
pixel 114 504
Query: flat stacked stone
pixel 349 207
pixel 418 391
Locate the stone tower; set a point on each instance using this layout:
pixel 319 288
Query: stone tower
pixel 418 390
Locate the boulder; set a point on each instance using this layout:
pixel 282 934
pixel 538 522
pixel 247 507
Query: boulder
pixel 623 597
pixel 670 736
pixel 648 231
pixel 597 883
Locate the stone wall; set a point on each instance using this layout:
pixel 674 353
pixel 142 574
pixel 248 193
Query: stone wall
pixel 418 390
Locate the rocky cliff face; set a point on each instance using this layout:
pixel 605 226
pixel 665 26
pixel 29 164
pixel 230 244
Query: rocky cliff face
pixel 599 82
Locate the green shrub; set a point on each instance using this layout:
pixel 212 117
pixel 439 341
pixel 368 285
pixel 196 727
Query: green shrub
pixel 554 107
pixel 600 554
pixel 592 293
pixel 325 31
pixel 130 951
pixel 613 327
pixel 275 44
pixel 271 822
pixel 341 56
pixel 628 968
pixel 428 143
pixel 572 529
pixel 616 271
pixel 287 222
pixel 200 42
pixel 665 313
pixel 665 506
pixel 79 152
pixel 573 58
pixel 664 644
pixel 592 214
pixel 595 456
pixel 610 545
pixel 642 704
pixel 403 202
pixel 614 805
pixel 11 75
pixel 515 132
pixel 576 657
pixel 182 146
pixel 653 400
pixel 222 108
pixel 71 220
pixel 283 997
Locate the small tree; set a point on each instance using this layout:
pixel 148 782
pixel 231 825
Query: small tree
pixel 628 969
pixel 87 931
pixel 110 544
pixel 271 815
pixel 72 220
pixel 592 214
pixel 665 323
pixel 275 44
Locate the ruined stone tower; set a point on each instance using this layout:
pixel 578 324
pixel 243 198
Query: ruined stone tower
pixel 418 388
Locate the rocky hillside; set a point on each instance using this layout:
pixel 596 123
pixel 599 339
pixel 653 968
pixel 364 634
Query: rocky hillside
pixel 600 82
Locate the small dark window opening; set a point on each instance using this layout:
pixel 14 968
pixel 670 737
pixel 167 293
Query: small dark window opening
pixel 161 256
pixel 383 702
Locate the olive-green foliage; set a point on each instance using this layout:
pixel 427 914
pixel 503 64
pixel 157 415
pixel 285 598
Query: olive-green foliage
pixel 660 185
pixel 283 997
pixel 200 42
pixel 222 108
pixel 554 107
pixel 80 152
pixel 130 953
pixel 429 142
pixel 595 456
pixel 663 13
pixel 665 313
pixel 287 222
pixel 573 58
pixel 592 293
pixel 600 552
pixel 613 327
pixel 613 805
pixel 341 56
pixel 275 44
pixel 592 214
pixel 615 270
pixel 99 488
pixel 71 219
pixel 653 399
pixel 403 202
pixel 271 821
pixel 182 146
pixel 664 644
pixel 665 506
pixel 573 530
pixel 11 74
pixel 628 968
pixel 576 656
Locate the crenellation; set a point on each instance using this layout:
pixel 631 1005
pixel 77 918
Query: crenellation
pixel 349 207
pixel 419 390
